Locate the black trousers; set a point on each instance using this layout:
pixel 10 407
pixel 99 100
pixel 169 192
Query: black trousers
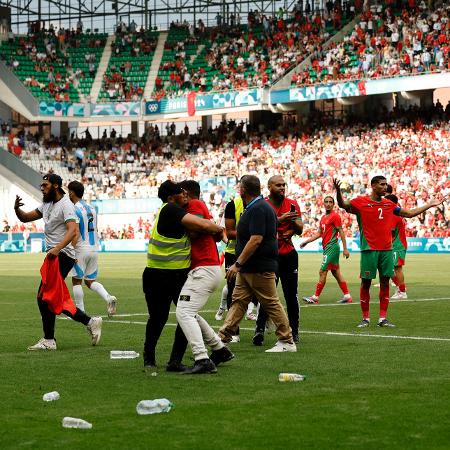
pixel 48 318
pixel 230 259
pixel 161 288
pixel 288 274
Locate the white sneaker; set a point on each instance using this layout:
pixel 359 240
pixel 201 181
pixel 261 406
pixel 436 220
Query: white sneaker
pixel 235 339
pixel 95 329
pixel 44 344
pixel 219 314
pixel 112 305
pixel 250 316
pixel 281 347
pixel 399 295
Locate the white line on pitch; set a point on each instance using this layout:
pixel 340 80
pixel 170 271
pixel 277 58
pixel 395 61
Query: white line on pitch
pixel 325 333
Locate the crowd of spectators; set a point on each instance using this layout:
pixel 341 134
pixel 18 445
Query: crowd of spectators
pixel 53 68
pixel 255 55
pixel 385 43
pixel 411 148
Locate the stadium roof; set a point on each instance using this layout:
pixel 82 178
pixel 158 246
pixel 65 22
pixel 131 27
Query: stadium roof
pixel 102 15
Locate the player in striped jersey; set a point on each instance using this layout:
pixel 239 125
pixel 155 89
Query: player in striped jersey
pixel 329 230
pixel 86 249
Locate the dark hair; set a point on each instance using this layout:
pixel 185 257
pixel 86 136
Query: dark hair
pixel 389 189
pixel 392 198
pixel 251 184
pixel 329 196
pixel 167 189
pixel 377 179
pixel 191 187
pixel 77 188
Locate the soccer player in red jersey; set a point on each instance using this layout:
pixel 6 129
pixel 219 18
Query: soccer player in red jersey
pixel 330 229
pixel 289 223
pixel 375 216
pixel 399 247
pixel 203 279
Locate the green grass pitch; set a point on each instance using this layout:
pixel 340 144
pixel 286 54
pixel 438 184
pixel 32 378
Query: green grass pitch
pixel 363 390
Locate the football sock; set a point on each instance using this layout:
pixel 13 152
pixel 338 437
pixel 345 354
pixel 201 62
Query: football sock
pixel 78 296
pixel 384 300
pixel 364 295
pixel 250 308
pixel 402 287
pixel 319 289
pixel 344 287
pixel 395 280
pixel 100 290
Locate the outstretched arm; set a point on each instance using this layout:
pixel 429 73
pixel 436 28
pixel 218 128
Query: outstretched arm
pixel 311 239
pixel 25 216
pixel 344 204
pixel 408 213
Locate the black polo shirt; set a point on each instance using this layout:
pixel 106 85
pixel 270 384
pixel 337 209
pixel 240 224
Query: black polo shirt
pixel 259 218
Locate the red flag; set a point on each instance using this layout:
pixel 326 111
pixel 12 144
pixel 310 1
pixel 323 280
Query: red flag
pixel 54 290
pixel 191 103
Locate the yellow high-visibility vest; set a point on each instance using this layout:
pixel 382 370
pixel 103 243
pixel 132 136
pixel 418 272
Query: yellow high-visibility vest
pixel 238 210
pixel 168 253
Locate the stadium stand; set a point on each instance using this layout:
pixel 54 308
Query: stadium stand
pixel 385 44
pixel 410 147
pixel 131 58
pixel 55 65
pixel 238 56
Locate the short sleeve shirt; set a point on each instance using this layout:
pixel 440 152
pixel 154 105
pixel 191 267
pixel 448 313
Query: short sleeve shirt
pixel 330 224
pixel 399 242
pixel 169 221
pixel 259 219
pixel 203 248
pixel 285 246
pixel 55 216
pixel 375 222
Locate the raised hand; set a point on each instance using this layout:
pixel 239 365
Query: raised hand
pixel 18 203
pixel 336 184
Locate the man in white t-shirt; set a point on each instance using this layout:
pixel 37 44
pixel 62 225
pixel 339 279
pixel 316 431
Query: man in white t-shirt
pixel 86 250
pixel 60 221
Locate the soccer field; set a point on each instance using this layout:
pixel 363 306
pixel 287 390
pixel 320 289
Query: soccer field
pixel 376 388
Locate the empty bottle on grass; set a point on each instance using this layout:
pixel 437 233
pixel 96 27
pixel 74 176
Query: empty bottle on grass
pixel 50 396
pixel 123 354
pixel 286 377
pixel 156 406
pixel 74 422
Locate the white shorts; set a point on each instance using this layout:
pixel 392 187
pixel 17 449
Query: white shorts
pixel 86 266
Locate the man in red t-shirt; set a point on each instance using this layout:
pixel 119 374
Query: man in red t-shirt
pixel 203 279
pixel 375 216
pixel 329 230
pixel 289 223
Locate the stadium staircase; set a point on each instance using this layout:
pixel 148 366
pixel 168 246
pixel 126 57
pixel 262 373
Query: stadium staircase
pixel 103 65
pixel 153 73
pixel 285 82
pixel 19 173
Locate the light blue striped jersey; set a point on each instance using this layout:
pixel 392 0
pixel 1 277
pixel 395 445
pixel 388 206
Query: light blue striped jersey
pixel 87 217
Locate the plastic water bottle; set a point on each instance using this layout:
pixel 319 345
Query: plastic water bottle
pixel 50 396
pixel 156 406
pixel 123 354
pixel 286 377
pixel 73 422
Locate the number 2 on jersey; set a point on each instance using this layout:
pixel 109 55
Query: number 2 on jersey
pixel 380 215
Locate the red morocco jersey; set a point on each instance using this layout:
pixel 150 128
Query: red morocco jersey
pixel 399 241
pixel 203 248
pixel 375 222
pixel 285 246
pixel 329 226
